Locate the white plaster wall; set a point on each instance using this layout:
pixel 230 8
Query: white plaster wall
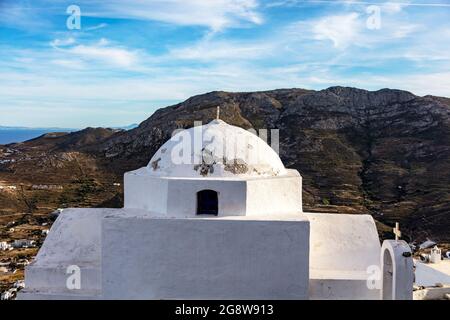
pixel 75 236
pixel 276 195
pixel 74 239
pixel 231 196
pixel 53 280
pixel 142 191
pixel 341 289
pixel 342 247
pixel 25 294
pixel 343 242
pixel 145 258
pixel 177 197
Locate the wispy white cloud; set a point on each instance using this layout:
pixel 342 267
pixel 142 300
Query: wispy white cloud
pixel 405 30
pixel 101 51
pixel 216 15
pixel 96 27
pixel 69 63
pixel 117 56
pixel 351 28
pixel 340 29
pixel 62 42
pixel 22 16
pixel 434 83
pixel 213 50
pixel 394 5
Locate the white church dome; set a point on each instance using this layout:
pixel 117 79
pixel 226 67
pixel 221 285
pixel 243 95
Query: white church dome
pixel 215 150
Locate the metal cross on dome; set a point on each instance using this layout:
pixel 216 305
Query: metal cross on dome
pixel 397 231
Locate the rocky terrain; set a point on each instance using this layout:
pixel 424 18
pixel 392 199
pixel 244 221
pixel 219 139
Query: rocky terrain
pixel 385 153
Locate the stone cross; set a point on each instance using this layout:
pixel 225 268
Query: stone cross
pixel 397 231
pixel 218 113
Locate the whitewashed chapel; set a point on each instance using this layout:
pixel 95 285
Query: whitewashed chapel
pixel 219 217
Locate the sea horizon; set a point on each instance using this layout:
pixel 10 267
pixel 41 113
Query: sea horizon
pixel 20 135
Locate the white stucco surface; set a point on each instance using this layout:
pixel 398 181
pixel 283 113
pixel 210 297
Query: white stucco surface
pixel 337 287
pixel 75 236
pixel 177 197
pixel 342 243
pixel 231 196
pixel 74 239
pixel 342 247
pixel 144 192
pixel 146 257
pixel 274 195
pixel 217 258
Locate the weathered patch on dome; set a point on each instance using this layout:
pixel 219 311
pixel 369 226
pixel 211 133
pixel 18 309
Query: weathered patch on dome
pixel 155 164
pixel 163 150
pixel 204 168
pixel 207 166
pixel 268 171
pixel 256 171
pixel 236 166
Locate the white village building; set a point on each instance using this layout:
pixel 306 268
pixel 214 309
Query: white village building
pixel 216 215
pixel 434 272
pixel 24 243
pixel 5 246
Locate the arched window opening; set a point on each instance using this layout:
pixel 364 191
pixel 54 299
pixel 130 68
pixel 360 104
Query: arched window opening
pixel 207 202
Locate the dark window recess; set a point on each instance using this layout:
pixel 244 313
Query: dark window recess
pixel 207 202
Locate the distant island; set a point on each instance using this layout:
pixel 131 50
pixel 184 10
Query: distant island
pixel 20 134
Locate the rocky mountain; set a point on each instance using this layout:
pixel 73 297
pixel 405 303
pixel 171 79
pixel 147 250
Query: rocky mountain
pixel 385 153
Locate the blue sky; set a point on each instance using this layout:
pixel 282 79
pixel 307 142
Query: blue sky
pixel 131 57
